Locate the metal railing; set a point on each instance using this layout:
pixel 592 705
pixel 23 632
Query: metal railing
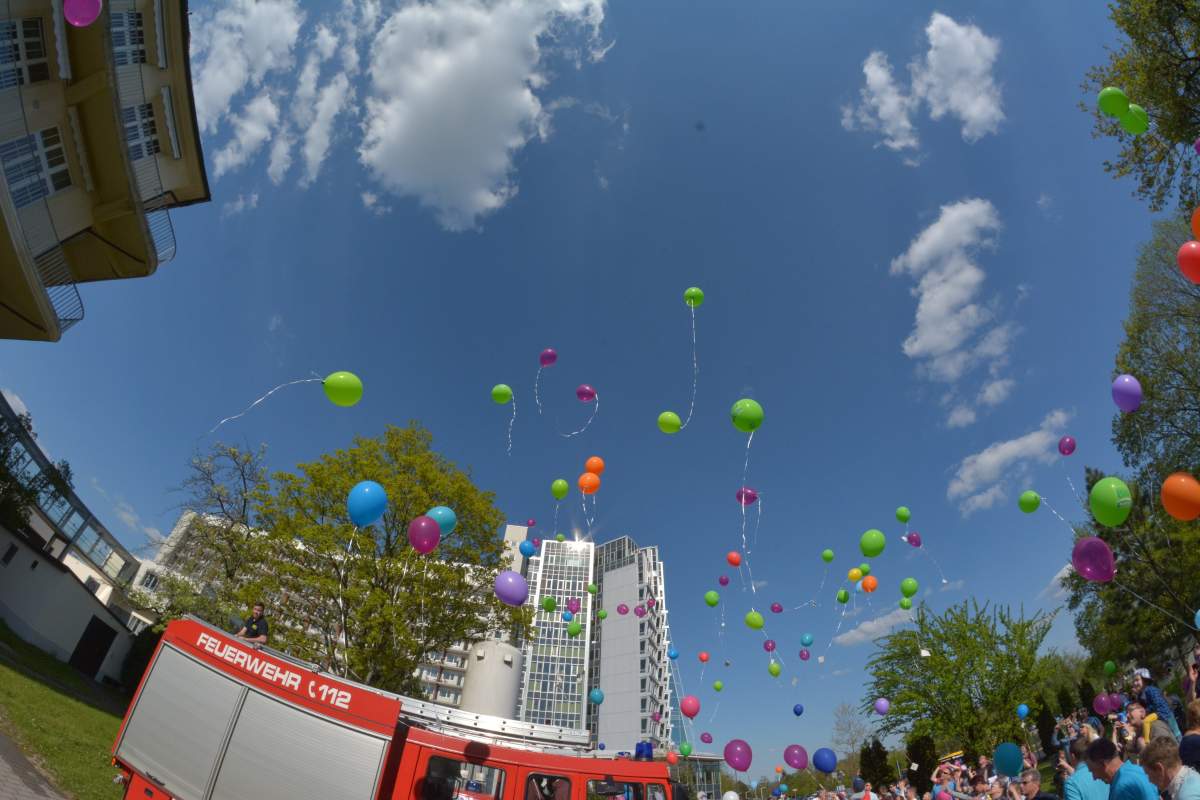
pixel 132 92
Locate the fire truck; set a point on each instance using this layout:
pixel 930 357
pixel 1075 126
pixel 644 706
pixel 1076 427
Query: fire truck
pixel 217 718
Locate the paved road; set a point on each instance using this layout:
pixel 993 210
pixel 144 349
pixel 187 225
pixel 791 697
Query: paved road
pixel 18 779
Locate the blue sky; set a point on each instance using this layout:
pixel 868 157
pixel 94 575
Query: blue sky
pixel 428 197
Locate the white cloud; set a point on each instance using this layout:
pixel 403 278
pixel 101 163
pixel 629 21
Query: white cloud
pixel 960 417
pixel 452 98
pixel 251 129
pixel 334 96
pixel 874 628
pixel 326 43
pixel 128 515
pixel 953 77
pixel 760 584
pixel 275 322
pixel 1055 590
pixel 370 201
pixel 243 202
pixel 14 400
pixel 979 481
pixel 1045 202
pixel 996 392
pixel 236 47
pixel 281 157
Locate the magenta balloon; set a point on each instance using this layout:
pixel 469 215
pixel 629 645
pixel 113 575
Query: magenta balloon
pixel 656 716
pixel 738 755
pixel 639 611
pixel 804 654
pixel 547 357
pixel 914 539
pixel 650 602
pixel 585 393
pixel 769 645
pixel 1114 702
pixel 1093 559
pixel 1100 704
pixel 424 534
pixel 537 542
pixel 746 496
pixel 81 13
pixel 776 608
pixel 529 523
pixel 573 605
pixel 796 757
pixel 1066 445
pixel 511 588
pixel 689 706
pixel 943 796
pixel 723 580
pixel 622 609
pixel 706 737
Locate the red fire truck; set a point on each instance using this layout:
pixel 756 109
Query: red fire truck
pixel 216 718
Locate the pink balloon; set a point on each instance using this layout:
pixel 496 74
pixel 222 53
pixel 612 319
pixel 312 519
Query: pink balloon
pixel 573 605
pixel 639 611
pixel 914 539
pixel 1100 704
pixel 529 523
pixel 776 608
pixel 1066 445
pixel 656 716
pixel 1093 559
pixel 622 609
pixel 706 737
pixel 424 534
pixel 738 755
pixel 944 796
pixel 585 393
pixel 769 645
pixel 746 496
pixel 723 580
pixel 804 654
pixel 689 706
pixel 537 542
pixel 81 13
pixel 650 601
pixel 547 357
pixel 1115 703
pixel 795 757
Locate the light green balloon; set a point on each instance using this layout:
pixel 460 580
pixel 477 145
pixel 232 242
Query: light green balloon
pixel 685 749
pixel 843 596
pixel 774 669
pixel 747 415
pixel 754 620
pixel 872 543
pixel 903 514
pixel 574 628
pixel 592 588
pixel 1110 667
pixel 560 537
pixel 549 604
pixel 1135 121
pixel 1112 101
pixel 1111 502
pixel 905 603
pixel 865 569
pixel 827 556
pixel 694 297
pixel 501 393
pixel 718 686
pixel 343 388
pixel 669 422
pixel 1029 501
pixel 559 488
pixel 909 587
pixel 602 614
pixel 711 598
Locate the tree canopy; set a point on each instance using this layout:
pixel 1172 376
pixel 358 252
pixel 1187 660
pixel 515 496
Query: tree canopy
pixel 874 766
pixel 20 486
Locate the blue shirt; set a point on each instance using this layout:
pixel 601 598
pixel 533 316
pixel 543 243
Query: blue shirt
pixel 1082 785
pixel 1131 783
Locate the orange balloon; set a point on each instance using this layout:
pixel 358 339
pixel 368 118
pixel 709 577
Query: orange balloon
pixel 870 583
pixel 1196 224
pixel 595 465
pixel 589 483
pixel 1181 496
pixel 734 558
pixel 779 770
pixel 703 656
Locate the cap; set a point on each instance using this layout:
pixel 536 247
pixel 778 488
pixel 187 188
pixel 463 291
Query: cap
pixel 1142 672
pixel 858 784
pixel 1094 722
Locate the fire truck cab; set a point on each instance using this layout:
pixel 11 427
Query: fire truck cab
pixel 216 718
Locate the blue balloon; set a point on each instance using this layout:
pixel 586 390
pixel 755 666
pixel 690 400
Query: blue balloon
pixel 807 639
pixel 366 503
pixel 825 760
pixel 446 519
pixel 775 792
pixel 568 616
pixel 783 787
pixel 601 745
pixel 1022 711
pixel 797 709
pixel 1197 618
pixel 672 654
pixel 1008 760
pixel 527 549
pixel 597 697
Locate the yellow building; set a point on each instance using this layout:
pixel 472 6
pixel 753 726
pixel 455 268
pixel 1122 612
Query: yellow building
pixel 98 140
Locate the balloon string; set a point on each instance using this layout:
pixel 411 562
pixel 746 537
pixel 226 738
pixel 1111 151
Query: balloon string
pixel 1075 492
pixel 264 397
pixel 557 503
pixel 929 555
pixel 595 410
pixel 757 521
pixel 695 372
pixel 714 714
pixel 1187 625
pixel 512 420
pixel 536 397
pixel 835 632
pixel 1060 516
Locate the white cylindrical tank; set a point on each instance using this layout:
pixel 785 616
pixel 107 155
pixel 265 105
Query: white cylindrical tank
pixel 493 681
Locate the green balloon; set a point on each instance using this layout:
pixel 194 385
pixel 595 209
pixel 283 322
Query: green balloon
pixel 903 514
pixel 754 620
pixel 685 749
pixel 747 415
pixel 843 596
pixel 1029 501
pixel 1110 668
pixel 694 297
pixel 559 489
pixel 1135 120
pixel 592 588
pixel 711 598
pixel 560 537
pixel 669 422
pixel 343 388
pixel 1112 101
pixel 865 569
pixel 872 543
pixel 602 614
pixel 909 587
pixel 718 686
pixel 774 669
pixel 501 393
pixel 574 628
pixel 905 603
pixel 549 604
pixel 827 556
pixel 1111 502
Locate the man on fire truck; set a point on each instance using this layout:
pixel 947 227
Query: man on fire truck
pixel 255 629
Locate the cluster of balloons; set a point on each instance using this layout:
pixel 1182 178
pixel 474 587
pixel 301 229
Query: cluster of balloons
pixel 1114 103
pixel 589 481
pixel 668 421
pixel 1108 703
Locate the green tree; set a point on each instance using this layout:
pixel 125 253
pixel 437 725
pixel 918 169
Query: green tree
pixel 21 483
pixel 1157 64
pixel 1045 724
pixel 1066 701
pixel 873 764
pixel 364 603
pixel 982 664
pixel 1087 693
pixel 922 751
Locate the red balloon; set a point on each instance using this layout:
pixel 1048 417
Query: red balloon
pixel 689 706
pixel 734 558
pixel 672 758
pixel 703 656
pixel 1189 261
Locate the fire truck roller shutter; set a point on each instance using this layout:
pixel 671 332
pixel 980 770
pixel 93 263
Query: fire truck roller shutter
pixel 278 750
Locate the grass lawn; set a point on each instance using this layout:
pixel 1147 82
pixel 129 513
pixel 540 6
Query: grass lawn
pixel 65 722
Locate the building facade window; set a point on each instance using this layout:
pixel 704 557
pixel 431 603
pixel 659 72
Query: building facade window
pixel 141 135
pixel 9 554
pixel 128 38
pixel 35 166
pixel 150 581
pixel 92 584
pixel 22 53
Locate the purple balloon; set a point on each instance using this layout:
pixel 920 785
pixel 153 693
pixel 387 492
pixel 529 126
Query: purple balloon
pixel 650 602
pixel 547 357
pixel 1115 702
pixel 804 654
pixel 622 609
pixel 706 737
pixel 573 605
pixel 746 496
pixel 738 755
pixel 1066 445
pixel 81 13
pixel 639 611
pixel 1093 559
pixel 882 706
pixel 656 716
pixel 769 645
pixel 511 588
pixel 776 608
pixel 723 580
pixel 914 539
pixel 537 542
pixel 1127 393
pixel 796 756
pixel 1100 704
pixel 424 534
pixel 529 523
pixel 585 393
